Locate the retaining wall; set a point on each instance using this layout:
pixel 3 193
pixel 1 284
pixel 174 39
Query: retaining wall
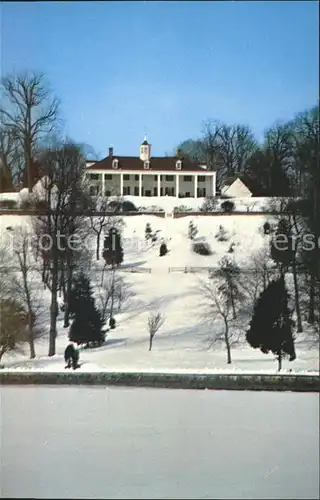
pixel 285 382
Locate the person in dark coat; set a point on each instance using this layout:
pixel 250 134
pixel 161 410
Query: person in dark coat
pixel 71 356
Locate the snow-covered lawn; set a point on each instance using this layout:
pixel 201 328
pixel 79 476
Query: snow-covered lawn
pixel 183 343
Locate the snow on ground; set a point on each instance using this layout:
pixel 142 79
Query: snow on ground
pixel 114 442
pixel 183 343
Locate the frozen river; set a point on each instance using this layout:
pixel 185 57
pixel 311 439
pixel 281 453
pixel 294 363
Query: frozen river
pixel 96 442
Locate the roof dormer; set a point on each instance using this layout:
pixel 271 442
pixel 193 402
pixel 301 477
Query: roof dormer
pixel 115 163
pixel 146 165
pixel 178 164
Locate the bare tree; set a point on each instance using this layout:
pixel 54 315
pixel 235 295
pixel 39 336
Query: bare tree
pixel 259 274
pixel 112 292
pixel 29 111
pixel 24 286
pixel 250 205
pixel 228 148
pixel 103 222
pixel 64 195
pixel 155 321
pixel 217 304
pixel 11 159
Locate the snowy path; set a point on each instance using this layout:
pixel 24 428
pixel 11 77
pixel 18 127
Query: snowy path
pixel 138 443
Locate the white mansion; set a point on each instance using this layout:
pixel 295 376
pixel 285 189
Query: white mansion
pixel 149 176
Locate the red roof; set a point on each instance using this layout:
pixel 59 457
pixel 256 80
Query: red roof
pixel 166 163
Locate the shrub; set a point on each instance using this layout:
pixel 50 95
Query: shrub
pixel 112 323
pixel 228 206
pixel 202 248
pixel 163 249
pixel 182 208
pixel 8 204
pixel 266 228
pixel 26 204
pixel 222 234
pixel 209 205
pixel 231 248
pixel 122 206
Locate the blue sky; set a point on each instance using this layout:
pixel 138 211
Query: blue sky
pixel 123 68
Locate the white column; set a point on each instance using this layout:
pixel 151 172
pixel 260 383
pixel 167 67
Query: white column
pixel 140 185
pixel 177 185
pixel 195 185
pixel 214 184
pixel 159 186
pixel 103 184
pixel 121 184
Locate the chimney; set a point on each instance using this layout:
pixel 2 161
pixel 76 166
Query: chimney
pixel 111 152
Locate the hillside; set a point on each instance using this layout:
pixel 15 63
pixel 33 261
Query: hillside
pixel 184 343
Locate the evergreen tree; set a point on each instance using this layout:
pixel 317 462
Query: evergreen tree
pixel 163 249
pixel 113 251
pixel 271 324
pixel 148 231
pixel 87 321
pixel 192 231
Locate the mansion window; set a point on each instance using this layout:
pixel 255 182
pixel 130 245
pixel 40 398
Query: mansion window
pixel 201 178
pixel 187 178
pixel 136 177
pixel 94 177
pixel 126 191
pixel 108 177
pixel 126 177
pixel 169 177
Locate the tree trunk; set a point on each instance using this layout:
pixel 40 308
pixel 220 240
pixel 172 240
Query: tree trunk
pixel 31 344
pixel 297 295
pixel 150 342
pixel 112 293
pixel 66 304
pixel 226 338
pixel 53 311
pixel 279 361
pixel 311 314
pixel 98 247
pixel 27 146
pixel 233 307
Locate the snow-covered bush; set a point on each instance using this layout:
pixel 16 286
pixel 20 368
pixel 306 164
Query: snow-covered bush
pixel 222 234
pixel 202 248
pixel 209 205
